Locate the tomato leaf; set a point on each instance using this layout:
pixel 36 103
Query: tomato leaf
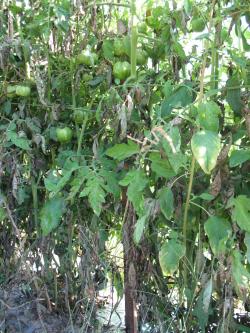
pixel 136 181
pixel 208 116
pixel 206 148
pixel 166 199
pixel 233 94
pixel 51 214
pixel 241 212
pixel 170 254
pixel 122 151
pixel 238 157
pixel 139 228
pixel 247 243
pixel 18 141
pixel 94 190
pixel 241 276
pixel 161 166
pixel 218 231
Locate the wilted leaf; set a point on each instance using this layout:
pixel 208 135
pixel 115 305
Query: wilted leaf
pixel 206 148
pixel 215 187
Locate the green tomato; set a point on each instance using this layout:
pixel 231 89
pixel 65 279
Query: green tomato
pixel 64 135
pixel 121 70
pixel 224 34
pixel 198 24
pixel 23 91
pixel 87 77
pixel 142 28
pixel 87 58
pixel 79 116
pixel 11 91
pixel 119 49
pixel 141 57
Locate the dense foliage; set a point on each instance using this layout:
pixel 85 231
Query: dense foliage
pixel 128 123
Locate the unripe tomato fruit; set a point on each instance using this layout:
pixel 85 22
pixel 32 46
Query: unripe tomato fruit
pixel 141 57
pixel 121 70
pixel 198 24
pixel 87 58
pixel 119 49
pixel 87 77
pixel 79 116
pixel 11 91
pixel 64 135
pixel 142 28
pixel 23 91
pixel 224 34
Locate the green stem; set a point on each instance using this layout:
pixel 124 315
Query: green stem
pixel 190 185
pixel 133 41
pixel 81 134
pixel 133 50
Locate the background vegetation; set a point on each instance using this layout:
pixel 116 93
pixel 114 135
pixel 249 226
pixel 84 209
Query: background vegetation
pixel 128 123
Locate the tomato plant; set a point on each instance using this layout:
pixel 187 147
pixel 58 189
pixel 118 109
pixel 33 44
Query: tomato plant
pixel 128 164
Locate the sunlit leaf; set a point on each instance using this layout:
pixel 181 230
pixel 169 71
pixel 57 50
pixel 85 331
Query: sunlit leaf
pixel 139 228
pixel 206 148
pixel 208 116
